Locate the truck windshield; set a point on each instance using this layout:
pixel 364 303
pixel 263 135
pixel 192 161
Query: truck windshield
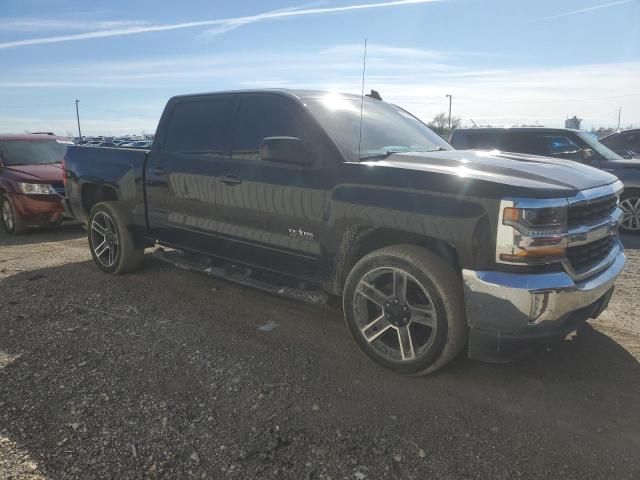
pixel 386 128
pixel 30 152
pixel 599 147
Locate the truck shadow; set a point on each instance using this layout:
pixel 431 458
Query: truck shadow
pixel 69 372
pixel 67 231
pixel 630 241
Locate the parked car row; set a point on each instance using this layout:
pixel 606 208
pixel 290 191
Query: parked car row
pixel 112 142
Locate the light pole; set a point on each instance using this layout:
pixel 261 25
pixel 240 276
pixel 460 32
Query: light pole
pixel 450 99
pixel 619 115
pixel 78 117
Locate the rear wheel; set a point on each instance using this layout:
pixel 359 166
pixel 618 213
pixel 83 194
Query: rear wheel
pixel 110 241
pixel 630 205
pixel 11 221
pixel 404 308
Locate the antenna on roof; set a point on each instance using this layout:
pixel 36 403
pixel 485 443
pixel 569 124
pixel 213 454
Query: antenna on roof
pixel 374 94
pixel 364 68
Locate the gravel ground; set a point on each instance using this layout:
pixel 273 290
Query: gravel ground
pixel 165 374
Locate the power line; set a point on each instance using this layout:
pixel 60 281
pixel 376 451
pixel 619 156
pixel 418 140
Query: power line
pixel 35 106
pixel 120 112
pixel 476 100
pixel 58 105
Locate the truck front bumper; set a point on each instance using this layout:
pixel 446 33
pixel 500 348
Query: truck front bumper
pixel 509 313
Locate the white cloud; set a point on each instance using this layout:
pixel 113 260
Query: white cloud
pixel 220 25
pixel 584 10
pixel 33 24
pixel 414 78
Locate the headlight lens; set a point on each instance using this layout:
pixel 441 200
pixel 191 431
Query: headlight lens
pixel 536 220
pixel 36 188
pixel 530 235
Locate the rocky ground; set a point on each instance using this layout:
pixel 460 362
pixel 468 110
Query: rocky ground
pixel 166 374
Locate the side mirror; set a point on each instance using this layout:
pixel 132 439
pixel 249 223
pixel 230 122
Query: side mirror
pixel 587 154
pixel 289 150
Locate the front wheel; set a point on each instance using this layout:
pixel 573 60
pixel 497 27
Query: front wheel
pixel 630 205
pixel 404 307
pixel 11 221
pixel 111 243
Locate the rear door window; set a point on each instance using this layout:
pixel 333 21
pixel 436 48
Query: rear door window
pixel 260 117
pixel 483 141
pixel 198 126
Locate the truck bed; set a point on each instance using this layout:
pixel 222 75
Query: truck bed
pixel 101 174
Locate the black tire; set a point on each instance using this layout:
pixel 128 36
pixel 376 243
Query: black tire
pixel 630 203
pixel 15 225
pixel 126 256
pixel 443 287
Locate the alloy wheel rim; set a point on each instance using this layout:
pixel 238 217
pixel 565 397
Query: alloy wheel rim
pixel 7 215
pixel 104 239
pixel 630 213
pixel 394 314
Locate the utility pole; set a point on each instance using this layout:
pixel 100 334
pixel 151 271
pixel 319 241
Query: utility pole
pixel 78 117
pixel 450 99
pixel 619 115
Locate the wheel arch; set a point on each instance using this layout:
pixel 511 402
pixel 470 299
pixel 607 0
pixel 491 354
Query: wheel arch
pixel 363 241
pixel 92 194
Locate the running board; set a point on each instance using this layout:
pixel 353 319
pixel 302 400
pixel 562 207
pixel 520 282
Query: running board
pixel 240 275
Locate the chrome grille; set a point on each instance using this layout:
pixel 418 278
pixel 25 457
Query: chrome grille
pixel 585 213
pixel 583 257
pixel 593 217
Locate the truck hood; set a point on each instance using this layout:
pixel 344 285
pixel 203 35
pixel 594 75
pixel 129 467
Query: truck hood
pixel 621 164
pixel 551 175
pixel 49 172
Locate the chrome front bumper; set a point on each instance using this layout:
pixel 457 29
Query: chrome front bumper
pixel 521 303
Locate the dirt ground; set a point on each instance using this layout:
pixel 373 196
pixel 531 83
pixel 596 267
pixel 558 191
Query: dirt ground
pixel 165 374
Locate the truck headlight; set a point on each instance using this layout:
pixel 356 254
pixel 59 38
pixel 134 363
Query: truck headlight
pixel 532 232
pixel 36 188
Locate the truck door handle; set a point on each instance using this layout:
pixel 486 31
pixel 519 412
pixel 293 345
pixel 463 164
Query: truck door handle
pixel 159 171
pixel 231 180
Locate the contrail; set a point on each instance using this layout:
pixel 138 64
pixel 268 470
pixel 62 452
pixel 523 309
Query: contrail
pixel 597 7
pixel 221 23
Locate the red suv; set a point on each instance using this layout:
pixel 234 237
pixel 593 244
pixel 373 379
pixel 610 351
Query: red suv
pixel 31 181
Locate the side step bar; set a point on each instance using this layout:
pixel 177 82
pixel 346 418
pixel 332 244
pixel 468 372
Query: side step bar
pixel 241 276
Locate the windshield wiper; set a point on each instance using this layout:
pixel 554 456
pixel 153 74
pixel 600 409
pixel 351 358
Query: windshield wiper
pixel 387 153
pixel 378 156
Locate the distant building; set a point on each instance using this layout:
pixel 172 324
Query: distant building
pixel 573 123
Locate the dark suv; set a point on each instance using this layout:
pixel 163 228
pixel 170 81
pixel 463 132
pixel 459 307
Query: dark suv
pixel 625 143
pixel 561 143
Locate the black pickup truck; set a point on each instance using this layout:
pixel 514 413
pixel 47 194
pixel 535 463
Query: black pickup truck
pixel 312 194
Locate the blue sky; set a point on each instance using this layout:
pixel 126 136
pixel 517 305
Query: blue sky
pixel 505 62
